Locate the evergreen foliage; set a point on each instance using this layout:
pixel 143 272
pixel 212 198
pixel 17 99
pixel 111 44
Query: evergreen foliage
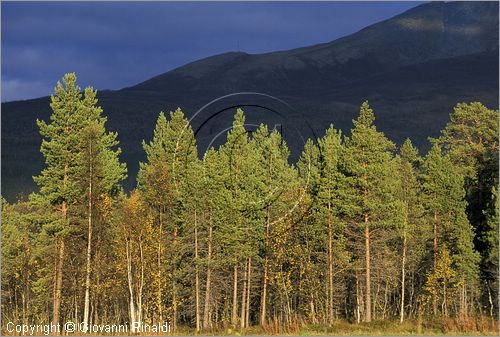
pixel 355 230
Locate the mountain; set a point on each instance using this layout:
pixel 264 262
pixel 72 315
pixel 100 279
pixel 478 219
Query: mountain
pixel 413 68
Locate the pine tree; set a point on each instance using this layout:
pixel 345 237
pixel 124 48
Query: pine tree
pixel 82 168
pixel 164 180
pixel 58 181
pixel 311 233
pixel 243 236
pixel 154 181
pixel 471 131
pixel 101 172
pixel 368 186
pixel 233 155
pixel 489 263
pixel 214 202
pixel 276 203
pixel 471 140
pixel 327 208
pixel 445 208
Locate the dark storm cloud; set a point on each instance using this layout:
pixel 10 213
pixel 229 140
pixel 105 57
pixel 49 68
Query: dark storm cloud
pixel 111 45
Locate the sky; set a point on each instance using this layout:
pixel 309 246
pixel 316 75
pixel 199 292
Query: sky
pixel 112 45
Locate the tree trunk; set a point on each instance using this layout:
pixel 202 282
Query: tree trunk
pixel 58 291
pixel 23 298
pixel 197 276
pixel 375 302
pixel 435 241
pixel 234 316
pixel 141 284
pixel 385 299
pixel 159 290
pixel 60 261
pixel 132 315
pixel 89 244
pixel 54 282
pixel 244 298
pixel 263 301
pixel 490 299
pixel 97 291
pixel 444 305
pixel 248 292
pixel 463 308
pixel 358 311
pixel 368 310
pixel 403 261
pixel 412 293
pixel 264 295
pixel 174 285
pixel 130 287
pixel 206 310
pixel 330 265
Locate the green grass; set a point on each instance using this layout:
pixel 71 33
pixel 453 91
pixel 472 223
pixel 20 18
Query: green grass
pixel 477 326
pixel 480 326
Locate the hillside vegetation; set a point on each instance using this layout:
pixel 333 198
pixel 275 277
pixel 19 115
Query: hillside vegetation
pixel 359 236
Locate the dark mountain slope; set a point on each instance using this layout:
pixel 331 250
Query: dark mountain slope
pixel 413 69
pixel 427 32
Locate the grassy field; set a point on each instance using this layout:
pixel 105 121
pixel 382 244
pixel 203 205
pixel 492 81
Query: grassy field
pixel 478 326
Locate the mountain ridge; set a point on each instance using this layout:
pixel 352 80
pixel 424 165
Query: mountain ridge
pixel 412 77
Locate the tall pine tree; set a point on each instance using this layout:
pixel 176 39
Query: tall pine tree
pixel 471 139
pixel 58 181
pixel 100 175
pixel 445 206
pixel 368 185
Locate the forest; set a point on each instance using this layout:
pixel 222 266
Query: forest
pixel 358 234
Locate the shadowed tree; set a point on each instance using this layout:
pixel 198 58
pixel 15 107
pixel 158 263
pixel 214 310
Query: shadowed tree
pixel 471 139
